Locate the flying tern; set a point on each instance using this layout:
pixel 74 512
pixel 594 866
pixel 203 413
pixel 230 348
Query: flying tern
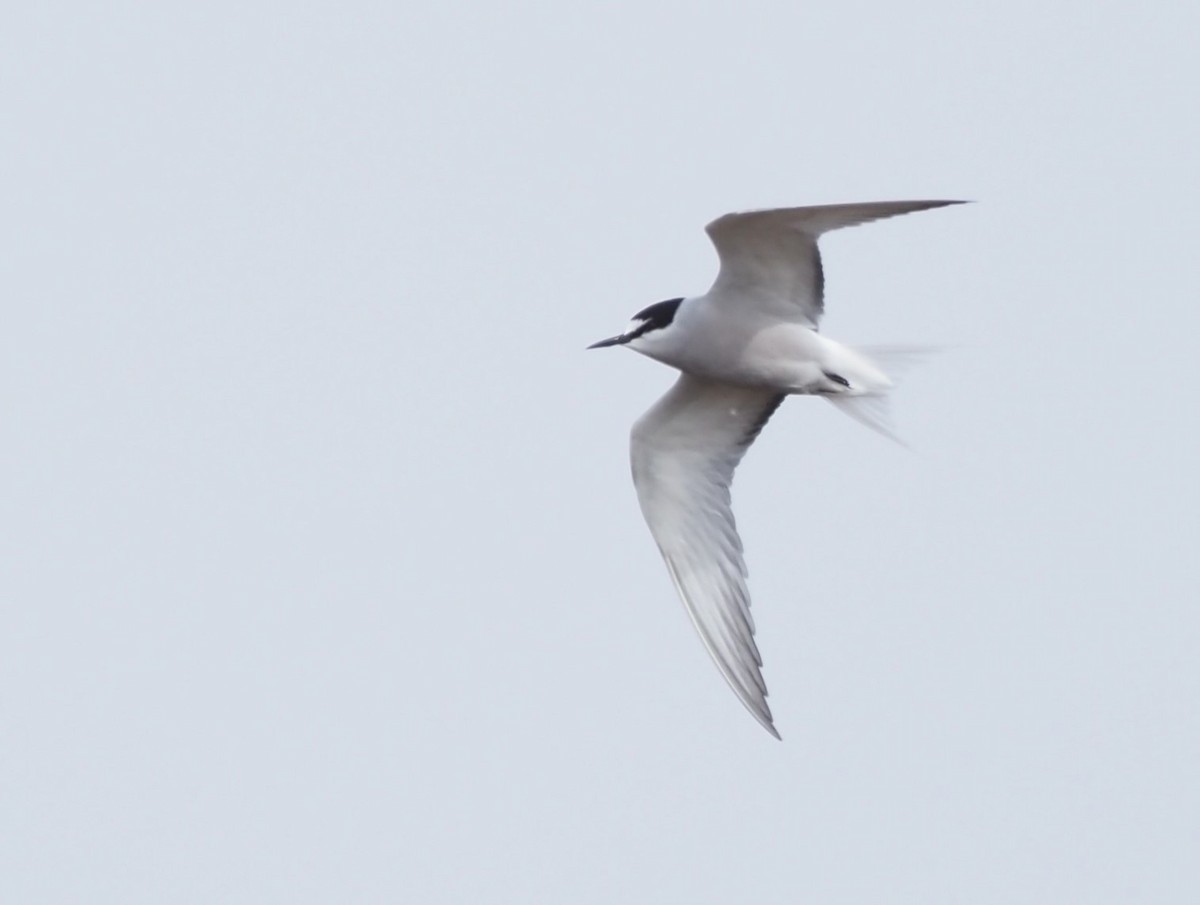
pixel 741 348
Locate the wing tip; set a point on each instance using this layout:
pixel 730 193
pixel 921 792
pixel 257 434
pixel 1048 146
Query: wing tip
pixel 760 711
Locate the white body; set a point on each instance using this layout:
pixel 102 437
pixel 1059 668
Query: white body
pixel 741 348
pixel 709 338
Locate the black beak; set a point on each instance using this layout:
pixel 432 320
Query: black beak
pixel 611 341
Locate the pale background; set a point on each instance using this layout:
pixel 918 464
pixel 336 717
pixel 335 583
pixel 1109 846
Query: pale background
pixel 321 573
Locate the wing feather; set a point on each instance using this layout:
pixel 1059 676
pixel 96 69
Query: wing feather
pixel 684 452
pixel 771 257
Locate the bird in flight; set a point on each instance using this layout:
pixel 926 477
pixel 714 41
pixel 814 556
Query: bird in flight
pixel 741 349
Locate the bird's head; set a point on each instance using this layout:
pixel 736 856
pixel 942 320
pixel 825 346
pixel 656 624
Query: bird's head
pixel 642 328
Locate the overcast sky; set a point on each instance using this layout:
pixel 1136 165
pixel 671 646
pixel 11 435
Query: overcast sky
pixel 322 578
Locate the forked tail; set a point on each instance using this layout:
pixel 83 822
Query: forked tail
pixel 873 408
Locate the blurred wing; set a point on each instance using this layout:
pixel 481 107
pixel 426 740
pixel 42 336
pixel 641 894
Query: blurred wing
pixel 771 257
pixel 684 452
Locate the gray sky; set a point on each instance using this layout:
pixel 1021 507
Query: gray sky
pixel 323 579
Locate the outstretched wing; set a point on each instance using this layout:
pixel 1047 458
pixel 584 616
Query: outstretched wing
pixel 684 451
pixel 771 258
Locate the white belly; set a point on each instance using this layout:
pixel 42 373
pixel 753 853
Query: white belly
pixel 780 355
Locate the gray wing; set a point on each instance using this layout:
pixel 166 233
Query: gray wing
pixel 771 257
pixel 684 451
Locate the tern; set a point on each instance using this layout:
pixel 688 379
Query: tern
pixel 742 348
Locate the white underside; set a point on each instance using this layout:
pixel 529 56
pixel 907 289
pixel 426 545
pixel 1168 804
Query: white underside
pixel 717 341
